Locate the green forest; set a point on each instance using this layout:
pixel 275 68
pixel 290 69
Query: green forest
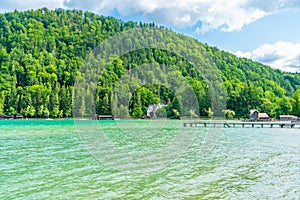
pixel 42 53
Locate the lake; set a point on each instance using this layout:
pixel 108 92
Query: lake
pixel 65 159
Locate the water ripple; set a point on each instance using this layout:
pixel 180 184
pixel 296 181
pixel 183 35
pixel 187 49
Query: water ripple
pixel 48 161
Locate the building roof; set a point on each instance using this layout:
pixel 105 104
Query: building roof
pixel 263 115
pixel 288 116
pixel 253 111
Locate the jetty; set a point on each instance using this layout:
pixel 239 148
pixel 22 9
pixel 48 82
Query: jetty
pixel 229 124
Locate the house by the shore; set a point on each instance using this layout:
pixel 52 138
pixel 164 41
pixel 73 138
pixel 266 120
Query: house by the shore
pixel 18 116
pixel 288 118
pixel 255 115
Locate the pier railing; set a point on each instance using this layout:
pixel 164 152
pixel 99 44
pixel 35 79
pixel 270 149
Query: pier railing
pixel 226 124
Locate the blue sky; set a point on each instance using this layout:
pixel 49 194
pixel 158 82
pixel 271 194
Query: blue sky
pixel 267 31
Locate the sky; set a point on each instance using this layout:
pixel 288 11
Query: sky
pixel 267 31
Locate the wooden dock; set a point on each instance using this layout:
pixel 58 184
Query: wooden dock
pixel 241 124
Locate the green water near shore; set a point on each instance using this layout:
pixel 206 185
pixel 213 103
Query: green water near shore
pixel 50 160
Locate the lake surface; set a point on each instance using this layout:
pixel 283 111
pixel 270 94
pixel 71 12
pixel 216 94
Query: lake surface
pixel 146 160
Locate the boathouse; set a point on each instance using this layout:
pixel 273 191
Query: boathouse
pixel 254 115
pixel 19 116
pixel 288 118
pixel 104 117
pixel 9 116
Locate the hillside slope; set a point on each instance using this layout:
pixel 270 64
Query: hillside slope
pixel 41 53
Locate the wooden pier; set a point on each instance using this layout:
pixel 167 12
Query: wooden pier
pixel 242 124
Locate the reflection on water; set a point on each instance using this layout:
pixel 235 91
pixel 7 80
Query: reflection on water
pixel 47 160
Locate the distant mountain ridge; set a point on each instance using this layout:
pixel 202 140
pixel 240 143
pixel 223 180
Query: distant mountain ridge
pixel 41 52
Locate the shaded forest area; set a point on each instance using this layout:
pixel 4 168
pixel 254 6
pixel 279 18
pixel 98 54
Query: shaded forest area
pixel 41 52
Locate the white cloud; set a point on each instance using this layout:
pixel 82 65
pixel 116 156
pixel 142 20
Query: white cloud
pixel 185 19
pixel 10 5
pixel 229 16
pixel 224 15
pixel 281 55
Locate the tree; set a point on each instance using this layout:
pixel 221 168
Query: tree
pixel 296 104
pixel 137 106
pixel 193 114
pixel 106 105
pixel 31 111
pixel 269 107
pixel 285 105
pixel 40 111
pixel 174 109
pixel 26 111
pixel 210 113
pixel 124 113
pixel 82 107
pixel 114 105
pixel 54 105
pixel 229 113
pixel 60 113
pixel 46 112
pixel 12 111
pixel 2 100
pixel 103 105
pixel 11 104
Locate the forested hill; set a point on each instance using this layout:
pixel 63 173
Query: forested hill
pixel 41 52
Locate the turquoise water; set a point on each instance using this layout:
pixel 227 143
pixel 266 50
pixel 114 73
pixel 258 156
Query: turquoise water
pixel 56 160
